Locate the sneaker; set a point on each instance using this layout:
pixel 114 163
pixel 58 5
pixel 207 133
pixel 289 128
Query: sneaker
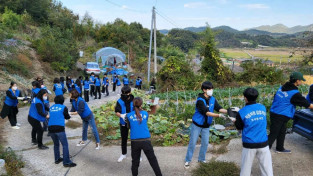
pixel 186 165
pixel 97 146
pixel 201 161
pixel 34 143
pixel 18 124
pixel 283 151
pixel 70 165
pixel 121 158
pixel 58 161
pixel 43 147
pixel 81 143
pixel 16 127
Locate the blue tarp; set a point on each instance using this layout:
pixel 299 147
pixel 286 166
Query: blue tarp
pixel 119 71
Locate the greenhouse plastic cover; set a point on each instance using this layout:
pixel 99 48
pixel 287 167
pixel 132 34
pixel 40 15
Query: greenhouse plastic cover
pixel 108 54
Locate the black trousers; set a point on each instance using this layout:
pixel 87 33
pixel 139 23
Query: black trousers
pixel 86 95
pixel 105 89
pixel 36 130
pixel 136 147
pixel 92 90
pixel 114 87
pixel 12 115
pixel 97 91
pixel 124 135
pixel 277 132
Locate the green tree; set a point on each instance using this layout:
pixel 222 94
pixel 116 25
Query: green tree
pixel 212 66
pixel 11 19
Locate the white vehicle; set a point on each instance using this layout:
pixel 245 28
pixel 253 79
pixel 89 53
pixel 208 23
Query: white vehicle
pixel 92 67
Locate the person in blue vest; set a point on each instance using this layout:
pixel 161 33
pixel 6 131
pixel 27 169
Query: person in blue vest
pixel 137 121
pixel 62 82
pixel 104 84
pixel 56 126
pixel 38 113
pixel 124 105
pixel 78 87
pixel 36 88
pixel 98 86
pixel 251 119
pixel 10 105
pixel 118 84
pixel 125 81
pixel 69 83
pixel 47 105
pixel 80 107
pixel 309 96
pixel 58 88
pixel 138 82
pixel 86 89
pixel 201 121
pixel 92 84
pixel 114 83
pixel 283 109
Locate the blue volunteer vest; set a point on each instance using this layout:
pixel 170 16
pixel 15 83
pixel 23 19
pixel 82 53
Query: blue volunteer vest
pixel 254 119
pixel 35 91
pixel 118 82
pixel 86 85
pixel 138 82
pixel 56 115
pixel 97 82
pixel 10 102
pixel 70 86
pixel 78 88
pixel 198 117
pixel 62 84
pixel 308 97
pixel 125 81
pixel 86 111
pixel 114 79
pixel 138 130
pixel 33 111
pixel 281 104
pixel 123 106
pixel 58 89
pixel 104 81
pixel 92 80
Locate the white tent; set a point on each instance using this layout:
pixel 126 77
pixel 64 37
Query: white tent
pixel 109 55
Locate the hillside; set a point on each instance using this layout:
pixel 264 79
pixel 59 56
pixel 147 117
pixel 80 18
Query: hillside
pixel 280 28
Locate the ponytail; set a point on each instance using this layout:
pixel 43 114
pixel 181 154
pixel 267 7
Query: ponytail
pixel 137 104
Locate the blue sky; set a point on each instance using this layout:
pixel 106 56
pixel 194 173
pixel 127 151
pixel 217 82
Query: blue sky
pixel 239 14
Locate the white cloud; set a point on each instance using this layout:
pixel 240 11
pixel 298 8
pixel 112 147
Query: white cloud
pixel 195 5
pixel 124 7
pixel 254 6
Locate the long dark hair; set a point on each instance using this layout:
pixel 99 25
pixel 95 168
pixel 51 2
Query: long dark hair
pixel 12 84
pixel 78 83
pixel 137 104
pixel 41 93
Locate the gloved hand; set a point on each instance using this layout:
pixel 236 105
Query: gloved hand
pixel 123 116
pixel 233 119
pixel 235 109
pixel 222 116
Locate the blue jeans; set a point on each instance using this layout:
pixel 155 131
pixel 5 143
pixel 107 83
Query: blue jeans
pixel 57 138
pixel 93 126
pixel 194 134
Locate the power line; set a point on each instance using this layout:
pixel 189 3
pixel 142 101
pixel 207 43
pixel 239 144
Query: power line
pixel 166 18
pixel 125 7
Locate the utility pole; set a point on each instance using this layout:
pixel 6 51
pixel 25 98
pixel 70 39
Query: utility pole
pixel 155 49
pixel 153 29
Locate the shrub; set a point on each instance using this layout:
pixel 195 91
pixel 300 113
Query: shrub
pixel 13 162
pixel 15 67
pixel 260 73
pixel 11 19
pixel 216 168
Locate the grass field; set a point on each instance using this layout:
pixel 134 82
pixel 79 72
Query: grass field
pixel 273 54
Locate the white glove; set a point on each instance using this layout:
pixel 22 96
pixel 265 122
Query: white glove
pixel 236 109
pixel 222 116
pixel 232 119
pixel 123 116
